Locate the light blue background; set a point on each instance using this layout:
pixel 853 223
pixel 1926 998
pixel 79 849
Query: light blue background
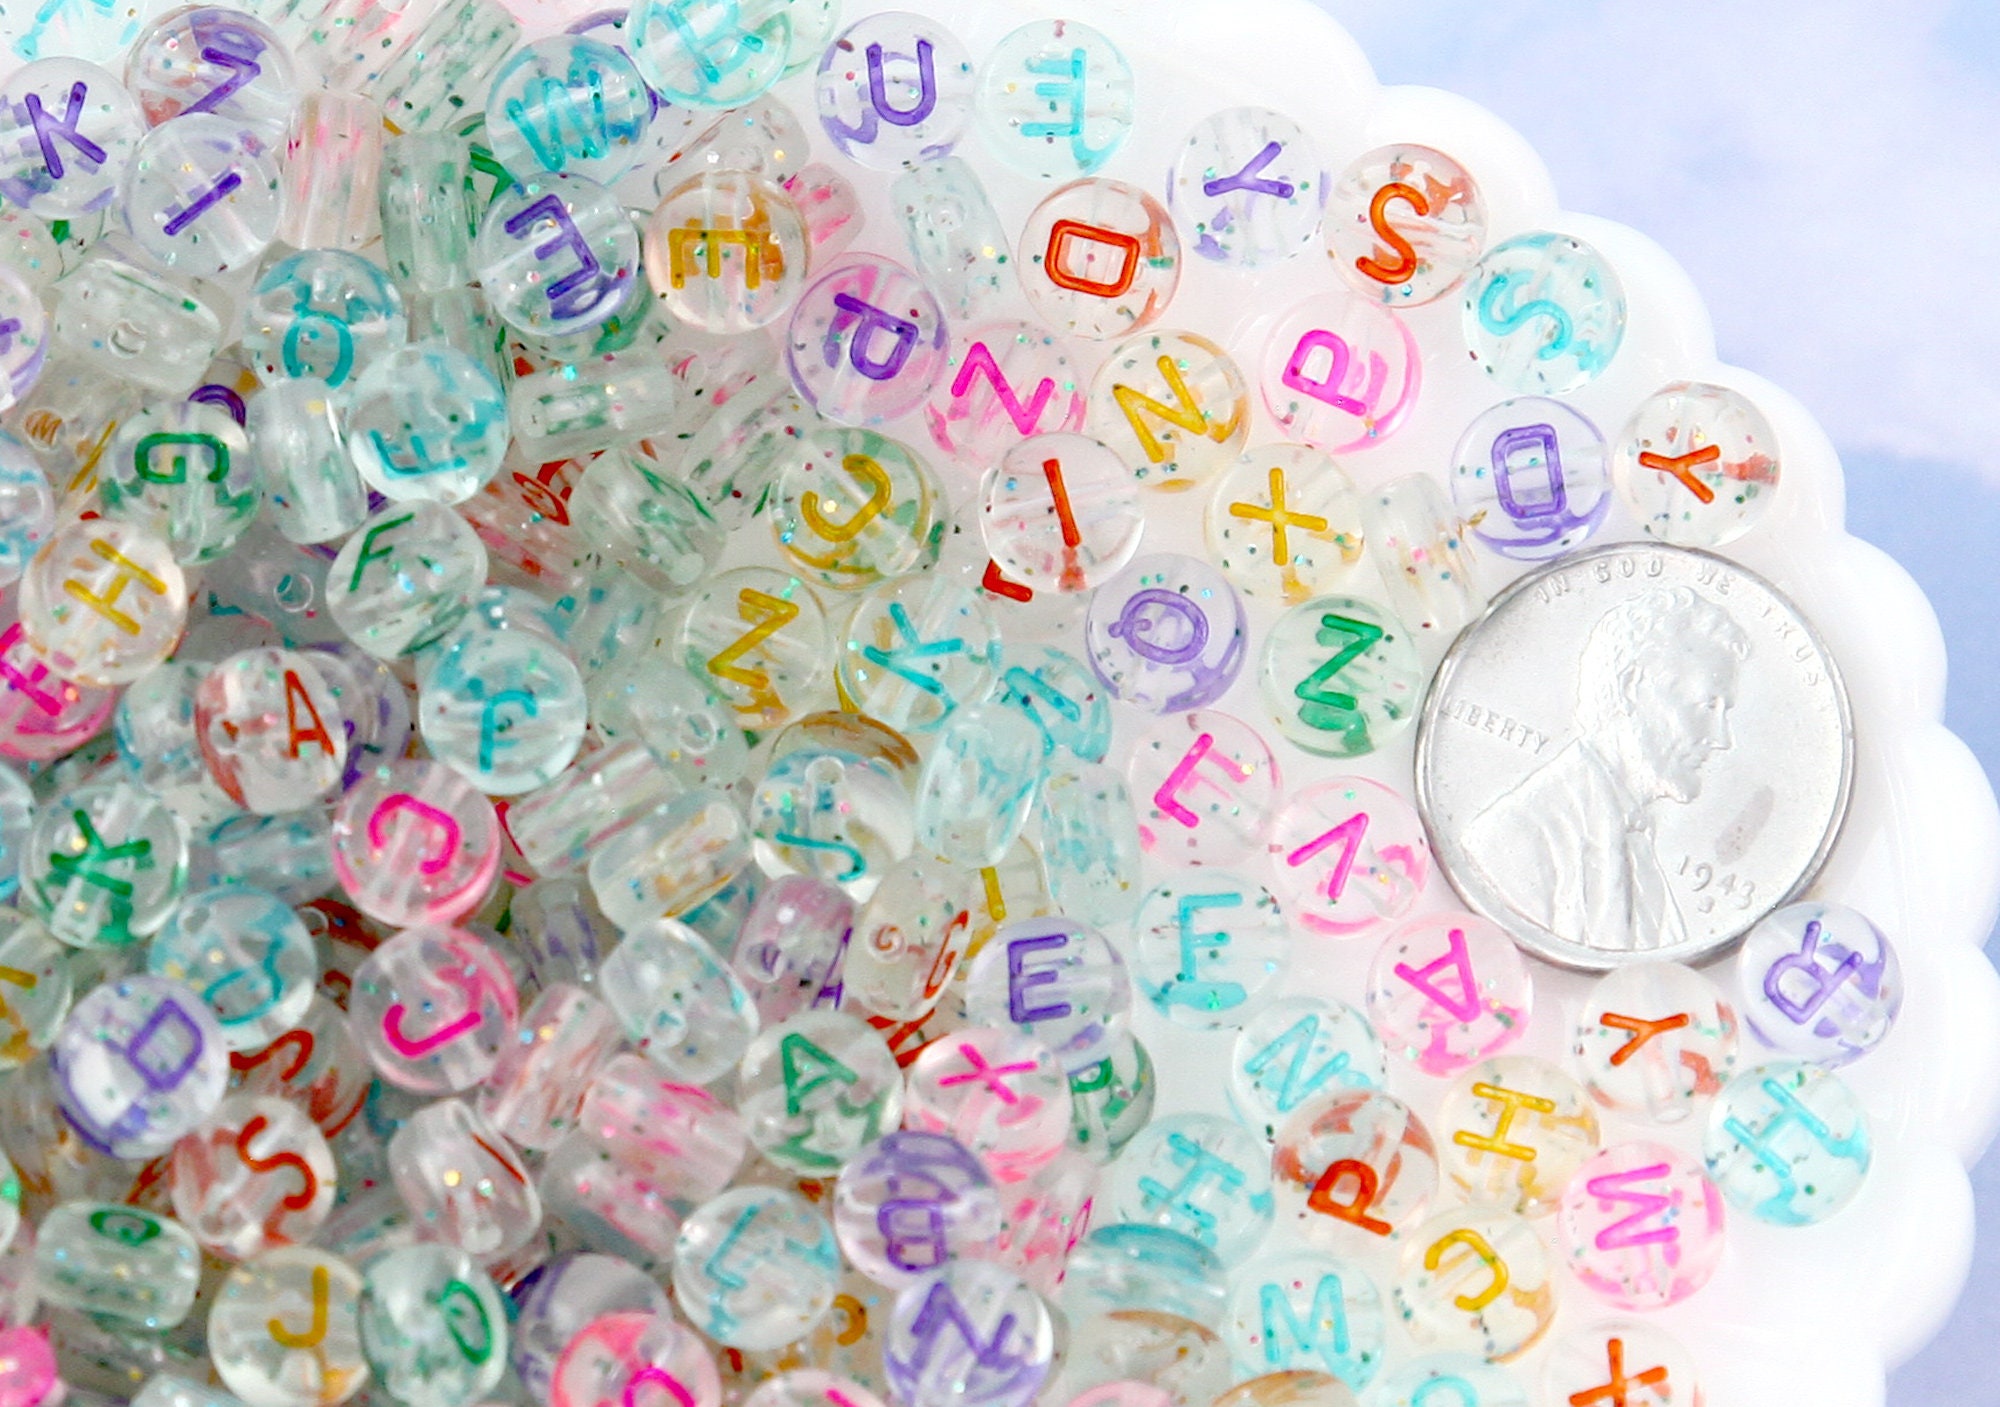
pixel 1829 173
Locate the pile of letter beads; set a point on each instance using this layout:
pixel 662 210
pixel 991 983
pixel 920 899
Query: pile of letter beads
pixel 485 920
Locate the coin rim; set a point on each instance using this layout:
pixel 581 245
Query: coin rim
pixel 1599 962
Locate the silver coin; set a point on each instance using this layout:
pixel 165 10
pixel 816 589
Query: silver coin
pixel 1633 756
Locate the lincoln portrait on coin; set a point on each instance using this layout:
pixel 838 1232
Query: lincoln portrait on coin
pixel 1572 846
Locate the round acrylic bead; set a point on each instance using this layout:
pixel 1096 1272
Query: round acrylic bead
pixel 323 313
pixel 1349 855
pixel 505 708
pixel 1296 1049
pixel 92 127
pixel 790 947
pixel 248 955
pixel 1340 373
pixel 977 790
pixel 1001 1094
pixel 1514 1131
pixel 427 422
pixel 866 342
pixel 623 1353
pixel 1818 982
pixel 569 105
pixel 1531 479
pixel 208 59
pixel 644 524
pixel 405 578
pixel 918 648
pixel 1291 1310
pixel 1353 1167
pixel 678 1000
pixel 284 1330
pixel 1210 949
pixel 462 1182
pixel 1207 1177
pixel 1404 224
pixel 566 1035
pixel 1544 314
pixel 1207 787
pixel 1413 535
pixel 1122 1267
pixel 672 859
pixel 1173 406
pixel 909 1203
pixel 1448 991
pixel 894 90
pixel 104 865
pixel 1655 1039
pixel 1167 634
pixel 758 638
pixel 1056 979
pixel 257 1174
pixel 1060 696
pixel 434 1008
pixel 138 1062
pixel 118 1264
pixel 557 255
pixel 854 508
pixel 1099 259
pixel 1283 522
pixel 756 1268
pixel 1641 1225
pixel 185 473
pixel 833 815
pixel 1249 185
pixel 103 601
pixel 1451 1380
pixel 1060 512
pixel 42 714
pixel 311 488
pixel 414 842
pixel 562 1295
pixel 433 1327
pixel 686 1143
pixel 710 53
pixel 201 195
pixel 1697 464
pixel 24 346
pixel 1113 1099
pixel 27 501
pixel 1003 382
pixel 1341 676
pixel 1476 1280
pixel 1787 1143
pixel 35 995
pixel 816 1088
pixel 727 251
pixel 270 730
pixel 1640 1361
pixel 1056 100
pixel 999 1346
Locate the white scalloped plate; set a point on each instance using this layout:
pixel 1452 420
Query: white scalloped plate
pixel 1794 1316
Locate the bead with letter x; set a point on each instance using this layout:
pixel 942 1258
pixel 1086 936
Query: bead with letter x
pixel 992 1076
pixel 1682 467
pixel 1280 518
pixel 1617 1392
